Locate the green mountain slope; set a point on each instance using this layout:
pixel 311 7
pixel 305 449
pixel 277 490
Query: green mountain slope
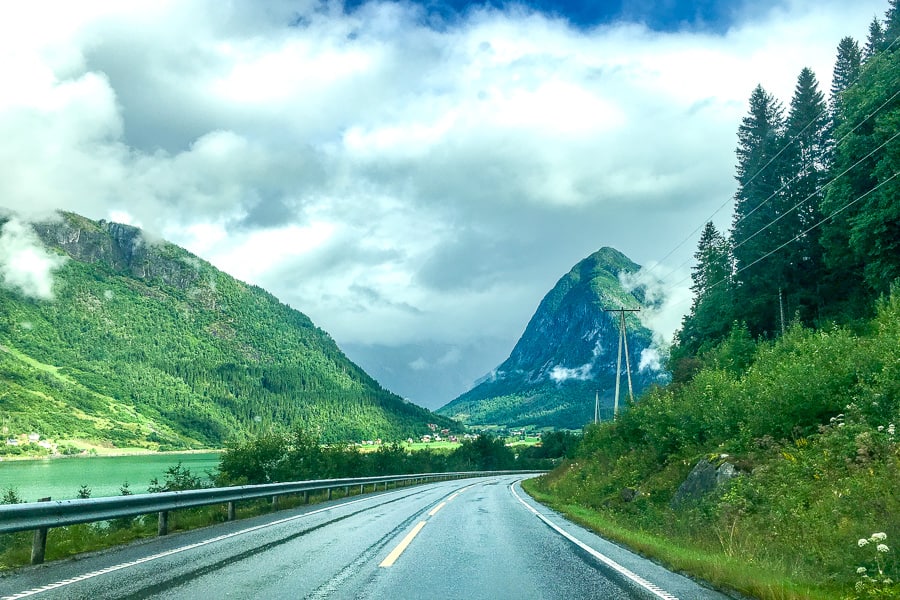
pixel 567 354
pixel 144 344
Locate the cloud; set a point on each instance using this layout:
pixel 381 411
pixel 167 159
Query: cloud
pixel 400 180
pixel 665 301
pixel 25 265
pixel 650 360
pixel 560 374
pixel 420 364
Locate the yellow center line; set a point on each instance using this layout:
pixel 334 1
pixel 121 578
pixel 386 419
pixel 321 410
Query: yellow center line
pixel 396 552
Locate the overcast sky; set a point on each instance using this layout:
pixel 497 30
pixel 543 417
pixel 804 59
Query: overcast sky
pixel 414 176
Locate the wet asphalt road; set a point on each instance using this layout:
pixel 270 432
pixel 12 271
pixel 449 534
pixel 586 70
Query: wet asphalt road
pixel 476 538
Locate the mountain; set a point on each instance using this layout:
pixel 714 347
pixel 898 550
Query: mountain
pixel 142 344
pixel 567 354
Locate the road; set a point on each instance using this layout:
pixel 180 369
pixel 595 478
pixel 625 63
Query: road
pixel 476 538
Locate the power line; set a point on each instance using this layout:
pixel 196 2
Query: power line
pixel 819 190
pixel 812 195
pixel 764 167
pixel 803 233
pixel 775 193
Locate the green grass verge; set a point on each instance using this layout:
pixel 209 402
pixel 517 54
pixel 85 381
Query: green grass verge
pixel 762 581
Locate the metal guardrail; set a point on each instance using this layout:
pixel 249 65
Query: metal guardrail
pixel 41 516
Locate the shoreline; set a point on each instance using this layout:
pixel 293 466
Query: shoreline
pixel 120 453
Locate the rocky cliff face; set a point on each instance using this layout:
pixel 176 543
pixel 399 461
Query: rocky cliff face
pixel 567 354
pixel 122 247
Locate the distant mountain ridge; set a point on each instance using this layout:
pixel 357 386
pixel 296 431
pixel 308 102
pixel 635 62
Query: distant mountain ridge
pixel 567 353
pixel 146 345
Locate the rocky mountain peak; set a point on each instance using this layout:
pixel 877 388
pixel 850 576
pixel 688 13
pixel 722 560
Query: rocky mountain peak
pixel 567 354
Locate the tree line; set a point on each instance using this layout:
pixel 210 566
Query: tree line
pixel 297 455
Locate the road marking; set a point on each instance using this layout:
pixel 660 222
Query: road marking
pixel 396 552
pixel 92 574
pixel 653 588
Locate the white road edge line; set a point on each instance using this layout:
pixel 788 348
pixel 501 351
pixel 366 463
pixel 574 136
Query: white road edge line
pixel 91 575
pixel 656 590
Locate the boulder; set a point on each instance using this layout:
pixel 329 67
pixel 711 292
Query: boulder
pixel 704 478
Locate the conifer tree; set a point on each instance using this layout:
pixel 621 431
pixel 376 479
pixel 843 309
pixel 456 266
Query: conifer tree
pixel 712 312
pixel 892 24
pixel 875 41
pixel 760 176
pixel 807 130
pixel 846 72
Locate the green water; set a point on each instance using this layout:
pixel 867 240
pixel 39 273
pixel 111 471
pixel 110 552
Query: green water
pixel 60 478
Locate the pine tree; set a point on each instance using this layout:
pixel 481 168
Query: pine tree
pixel 807 157
pixel 846 72
pixel 760 176
pixel 875 42
pixel 892 24
pixel 711 314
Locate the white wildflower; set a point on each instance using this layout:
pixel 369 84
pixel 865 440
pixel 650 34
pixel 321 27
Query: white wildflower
pixel 882 548
pixel 887 581
pixel 880 428
pixel 891 429
pixel 861 570
pixel 863 542
pixel 840 424
pixel 878 537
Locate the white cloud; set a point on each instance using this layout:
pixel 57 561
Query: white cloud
pixel 667 297
pixel 25 265
pixel 420 364
pixel 397 183
pixel 650 359
pixel 560 374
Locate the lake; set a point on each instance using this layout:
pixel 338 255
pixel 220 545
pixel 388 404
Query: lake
pixel 61 478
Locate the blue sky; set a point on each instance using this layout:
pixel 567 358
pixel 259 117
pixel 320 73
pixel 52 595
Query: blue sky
pixel 415 178
pixel 658 15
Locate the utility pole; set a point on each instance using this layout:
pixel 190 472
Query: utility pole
pixel 596 407
pixel 623 340
pixel 781 310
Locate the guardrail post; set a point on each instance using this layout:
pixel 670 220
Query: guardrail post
pixel 274 502
pixel 162 526
pixel 329 493
pixel 231 511
pixel 39 542
pixel 362 489
pixel 346 490
pixel 306 497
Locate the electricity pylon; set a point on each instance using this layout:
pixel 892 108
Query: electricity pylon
pixel 623 340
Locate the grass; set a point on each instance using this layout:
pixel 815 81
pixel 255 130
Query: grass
pixel 765 581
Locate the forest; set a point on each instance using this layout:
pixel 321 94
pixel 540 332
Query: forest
pixel 785 370
pixel 190 358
